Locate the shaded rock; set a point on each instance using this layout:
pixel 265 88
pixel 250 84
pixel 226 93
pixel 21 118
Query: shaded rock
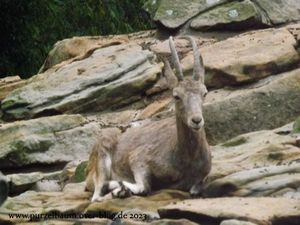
pixel 49 140
pixel 268 104
pixel 280 11
pixel 174 13
pixel 233 15
pixel 247 57
pixel 3 188
pixel 24 181
pixel 149 203
pixel 109 78
pixel 261 211
pixel 8 84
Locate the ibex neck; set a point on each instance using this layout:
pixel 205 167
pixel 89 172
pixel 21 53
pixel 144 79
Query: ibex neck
pixel 190 143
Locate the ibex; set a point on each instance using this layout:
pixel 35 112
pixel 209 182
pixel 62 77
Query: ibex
pixel 160 154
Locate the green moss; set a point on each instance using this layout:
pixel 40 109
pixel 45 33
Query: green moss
pixel 296 126
pixel 235 142
pixel 151 6
pixel 79 175
pixel 9 205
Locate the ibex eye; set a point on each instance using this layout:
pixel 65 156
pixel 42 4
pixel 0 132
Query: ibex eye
pixel 205 94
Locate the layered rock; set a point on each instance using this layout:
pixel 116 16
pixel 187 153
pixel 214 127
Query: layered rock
pixel 247 57
pixel 233 15
pixel 263 163
pixel 110 77
pixel 221 14
pixel 267 104
pixel 77 48
pixel 173 14
pixel 8 84
pixel 260 211
pixel 51 140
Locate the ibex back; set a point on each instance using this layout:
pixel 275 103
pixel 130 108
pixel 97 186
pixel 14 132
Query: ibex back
pixel 161 154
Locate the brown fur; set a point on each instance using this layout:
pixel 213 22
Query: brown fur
pixel 171 153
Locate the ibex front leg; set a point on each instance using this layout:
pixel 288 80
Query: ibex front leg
pixel 197 189
pixel 140 187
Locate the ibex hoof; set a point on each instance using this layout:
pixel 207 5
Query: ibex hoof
pixel 122 192
pixel 105 189
pixel 196 191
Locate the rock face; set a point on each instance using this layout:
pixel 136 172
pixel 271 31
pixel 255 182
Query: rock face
pixel 259 54
pixel 77 48
pixel 8 84
pixel 24 181
pixel 207 14
pixel 262 163
pixel 261 211
pixel 50 140
pixel 280 11
pixel 110 77
pixel 233 15
pixel 241 59
pixel 3 188
pixel 232 112
pixel 173 14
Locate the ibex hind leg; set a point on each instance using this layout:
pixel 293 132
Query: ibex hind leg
pixel 122 189
pixel 101 175
pixel 142 181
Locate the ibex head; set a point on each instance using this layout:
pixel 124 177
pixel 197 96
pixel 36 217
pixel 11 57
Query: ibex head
pixel 189 93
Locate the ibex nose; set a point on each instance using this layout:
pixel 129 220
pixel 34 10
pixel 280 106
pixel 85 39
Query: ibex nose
pixel 196 119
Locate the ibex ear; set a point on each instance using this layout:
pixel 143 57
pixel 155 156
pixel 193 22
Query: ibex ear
pixel 169 74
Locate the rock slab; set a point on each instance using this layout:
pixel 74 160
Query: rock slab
pixel 261 211
pixel 48 140
pixel 109 77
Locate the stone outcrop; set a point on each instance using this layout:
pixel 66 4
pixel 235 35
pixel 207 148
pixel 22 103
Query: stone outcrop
pixel 8 84
pixel 263 163
pixel 247 57
pixel 110 77
pixel 223 14
pixel 260 211
pixel 267 104
pixel 241 59
pixel 233 15
pixel 51 140
pixel 77 48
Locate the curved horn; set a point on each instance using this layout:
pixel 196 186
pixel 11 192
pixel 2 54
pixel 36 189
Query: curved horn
pixel 175 58
pixel 198 72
